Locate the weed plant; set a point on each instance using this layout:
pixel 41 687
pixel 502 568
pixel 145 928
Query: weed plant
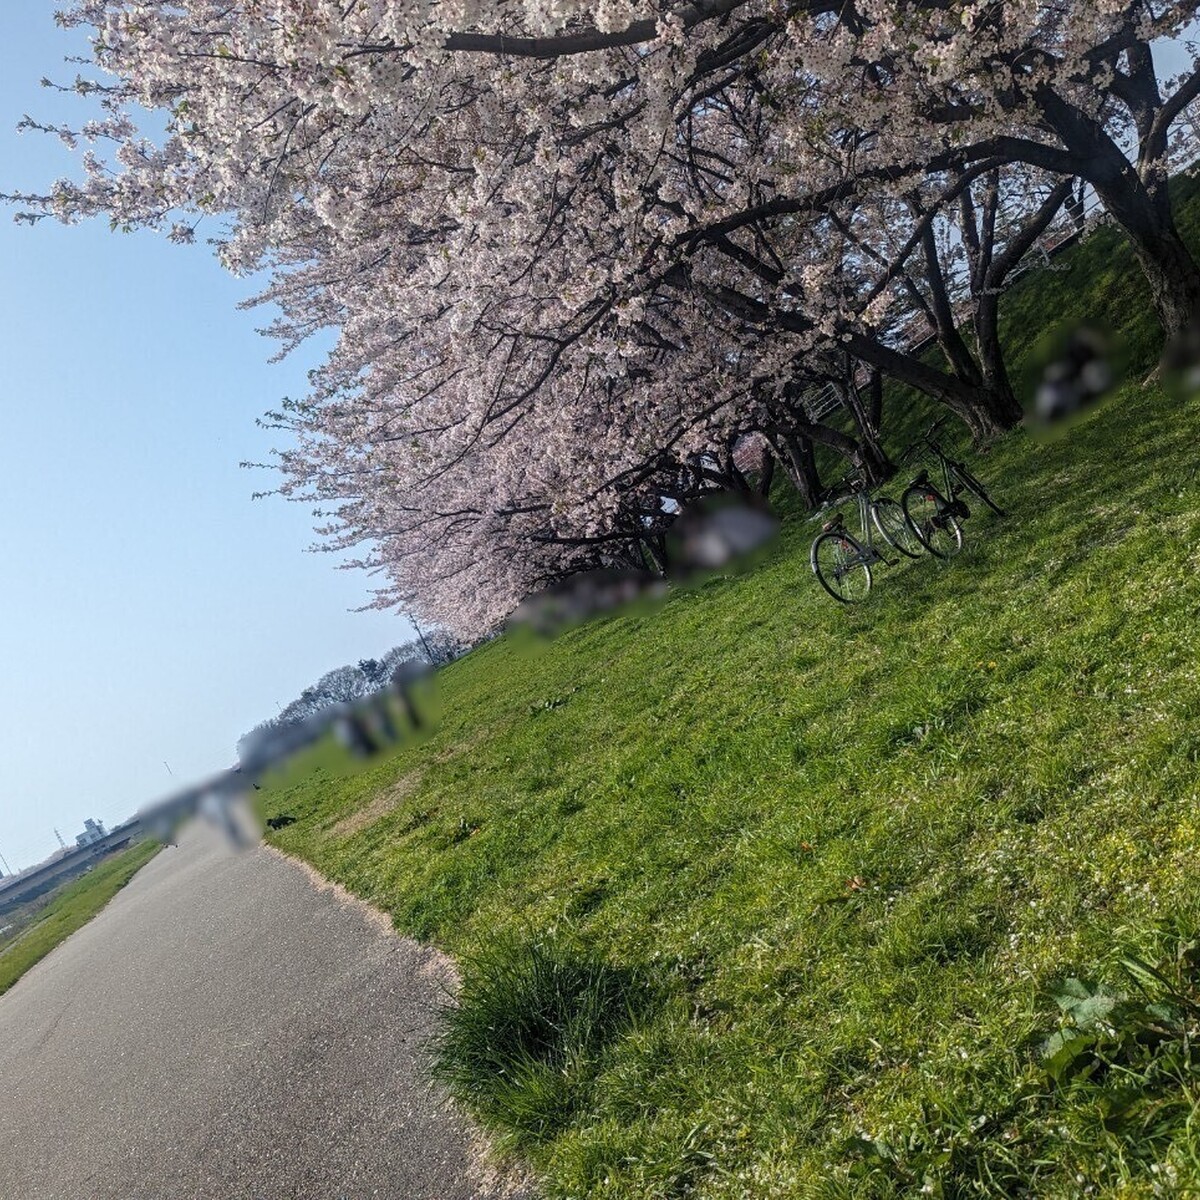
pixel 524 1040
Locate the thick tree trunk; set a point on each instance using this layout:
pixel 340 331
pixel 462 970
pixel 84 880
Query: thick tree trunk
pixel 875 400
pixel 987 414
pixel 766 473
pixel 875 464
pixel 1146 216
pixel 989 271
pixel 1168 265
pixel 801 467
pixel 655 549
pixel 996 393
pixel 741 484
pixel 957 352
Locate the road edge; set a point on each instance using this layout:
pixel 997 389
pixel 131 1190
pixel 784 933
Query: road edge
pixel 500 1175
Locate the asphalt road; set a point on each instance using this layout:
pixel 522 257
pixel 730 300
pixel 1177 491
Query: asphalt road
pixel 225 1029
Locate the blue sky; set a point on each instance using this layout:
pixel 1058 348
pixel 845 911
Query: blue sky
pixel 150 611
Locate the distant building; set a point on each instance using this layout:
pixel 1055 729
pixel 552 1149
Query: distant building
pixel 93 831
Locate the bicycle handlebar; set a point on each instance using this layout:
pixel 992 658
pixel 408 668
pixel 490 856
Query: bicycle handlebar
pixel 853 485
pixel 909 450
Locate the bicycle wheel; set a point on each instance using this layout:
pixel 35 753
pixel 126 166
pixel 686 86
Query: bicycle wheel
pixel 938 532
pixel 972 484
pixel 840 567
pixel 894 529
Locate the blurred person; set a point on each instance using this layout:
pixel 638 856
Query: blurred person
pixel 1181 361
pixel 1077 377
pixel 381 717
pixel 221 810
pixel 582 596
pixel 402 685
pixel 351 732
pixel 715 532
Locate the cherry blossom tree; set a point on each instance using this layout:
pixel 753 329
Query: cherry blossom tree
pixel 574 253
pixel 1069 88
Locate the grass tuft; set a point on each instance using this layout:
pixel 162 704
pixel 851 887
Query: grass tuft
pixel 524 1041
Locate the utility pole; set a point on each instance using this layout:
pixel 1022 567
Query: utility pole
pixel 7 868
pixel 60 841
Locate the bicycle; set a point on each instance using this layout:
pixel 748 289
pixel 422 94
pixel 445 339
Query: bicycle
pixel 934 516
pixel 842 562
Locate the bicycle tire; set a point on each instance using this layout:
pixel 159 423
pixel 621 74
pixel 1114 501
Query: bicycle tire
pixel 895 529
pixel 939 533
pixel 836 557
pixel 973 485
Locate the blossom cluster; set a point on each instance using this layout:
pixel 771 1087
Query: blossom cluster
pixel 572 253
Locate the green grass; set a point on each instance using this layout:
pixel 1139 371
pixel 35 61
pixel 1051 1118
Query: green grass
pixel 70 908
pixel 856 847
pixel 858 856
pixel 531 1024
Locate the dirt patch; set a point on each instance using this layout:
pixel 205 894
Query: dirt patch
pixel 504 1178
pixel 387 800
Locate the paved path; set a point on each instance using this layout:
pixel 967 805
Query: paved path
pixel 223 1029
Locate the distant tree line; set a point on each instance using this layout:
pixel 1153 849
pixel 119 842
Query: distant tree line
pixel 352 683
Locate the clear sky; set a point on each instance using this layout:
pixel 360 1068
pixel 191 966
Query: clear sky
pixel 150 611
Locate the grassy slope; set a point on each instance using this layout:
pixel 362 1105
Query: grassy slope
pixel 71 908
pixel 1096 282
pixel 856 846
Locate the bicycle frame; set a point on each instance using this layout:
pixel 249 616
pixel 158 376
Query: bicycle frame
pixel 948 465
pixel 953 485
pixel 959 479
pixel 866 542
pixel 864 521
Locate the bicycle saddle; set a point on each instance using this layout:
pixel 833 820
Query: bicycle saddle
pixel 920 479
pixel 832 524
